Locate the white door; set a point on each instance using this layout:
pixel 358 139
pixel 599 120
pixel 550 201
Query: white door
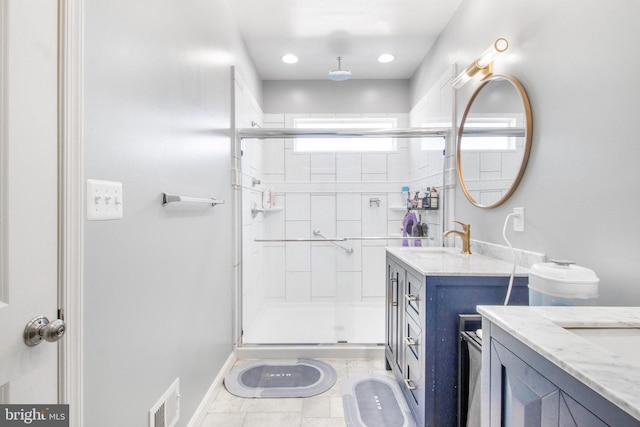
pixel 28 123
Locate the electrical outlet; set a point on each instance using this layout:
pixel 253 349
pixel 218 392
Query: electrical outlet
pixel 518 219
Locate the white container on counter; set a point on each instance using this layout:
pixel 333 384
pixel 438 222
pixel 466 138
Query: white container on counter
pixel 562 283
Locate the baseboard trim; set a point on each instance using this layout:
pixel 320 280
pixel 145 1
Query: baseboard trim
pixel 200 414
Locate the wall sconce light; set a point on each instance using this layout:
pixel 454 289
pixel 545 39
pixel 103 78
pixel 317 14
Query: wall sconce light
pixel 483 66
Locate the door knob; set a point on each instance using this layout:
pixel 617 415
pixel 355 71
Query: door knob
pixel 40 328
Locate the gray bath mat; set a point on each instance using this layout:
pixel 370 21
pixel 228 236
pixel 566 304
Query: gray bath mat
pixel 374 400
pixel 280 378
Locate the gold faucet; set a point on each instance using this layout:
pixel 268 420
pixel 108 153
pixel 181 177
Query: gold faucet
pixel 464 235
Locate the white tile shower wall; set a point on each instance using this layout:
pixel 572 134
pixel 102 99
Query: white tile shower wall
pixel 274 273
pixel 348 167
pixel 298 254
pixel 333 193
pixel 374 216
pixel 298 207
pixel 297 166
pixel 349 206
pixel 323 273
pixel 350 262
pixel 349 286
pixel 273 225
pixel 373 272
pixel 298 286
pixel 323 214
pixel 374 164
pixel 397 170
pixel 273 156
pixel 323 164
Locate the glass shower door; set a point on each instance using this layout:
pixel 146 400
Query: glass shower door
pixel 315 227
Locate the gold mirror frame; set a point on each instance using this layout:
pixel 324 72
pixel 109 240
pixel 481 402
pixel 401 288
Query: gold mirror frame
pixel 527 148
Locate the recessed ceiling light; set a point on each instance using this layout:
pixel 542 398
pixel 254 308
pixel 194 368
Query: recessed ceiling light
pixel 386 57
pixel 290 58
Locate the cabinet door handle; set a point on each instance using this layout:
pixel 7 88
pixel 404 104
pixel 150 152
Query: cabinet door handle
pixel 407 383
pixel 410 341
pixel 410 297
pixel 393 280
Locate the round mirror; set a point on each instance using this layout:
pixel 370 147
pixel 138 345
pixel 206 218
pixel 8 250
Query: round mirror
pixel 494 141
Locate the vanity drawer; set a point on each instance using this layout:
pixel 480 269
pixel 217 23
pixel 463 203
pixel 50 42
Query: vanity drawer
pixel 413 387
pixel 413 296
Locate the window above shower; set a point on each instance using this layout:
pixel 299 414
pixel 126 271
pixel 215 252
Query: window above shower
pixel 345 145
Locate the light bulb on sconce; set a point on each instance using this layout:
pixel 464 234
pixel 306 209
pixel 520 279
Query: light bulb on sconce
pixel 483 66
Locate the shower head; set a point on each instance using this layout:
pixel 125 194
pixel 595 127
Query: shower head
pixel 339 75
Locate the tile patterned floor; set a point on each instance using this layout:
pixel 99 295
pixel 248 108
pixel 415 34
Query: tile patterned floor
pixel 324 410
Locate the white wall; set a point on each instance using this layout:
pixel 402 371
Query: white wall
pixel 325 96
pixel 158 283
pixel 577 61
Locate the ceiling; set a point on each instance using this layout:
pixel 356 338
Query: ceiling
pixel 318 31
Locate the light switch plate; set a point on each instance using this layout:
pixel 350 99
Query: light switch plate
pixel 104 200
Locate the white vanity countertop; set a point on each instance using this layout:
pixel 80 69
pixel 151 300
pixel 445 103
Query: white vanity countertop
pixel 542 329
pixel 450 262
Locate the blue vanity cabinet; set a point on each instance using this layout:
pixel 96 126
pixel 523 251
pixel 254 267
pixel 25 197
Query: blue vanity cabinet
pixel 422 333
pixel 527 390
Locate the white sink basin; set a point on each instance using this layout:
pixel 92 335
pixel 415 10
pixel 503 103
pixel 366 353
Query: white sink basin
pixel 447 261
pixel 434 252
pixel 623 341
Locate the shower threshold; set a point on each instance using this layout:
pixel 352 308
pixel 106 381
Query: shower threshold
pixel 294 351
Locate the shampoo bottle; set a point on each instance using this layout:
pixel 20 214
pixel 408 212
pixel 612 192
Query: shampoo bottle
pixel 434 198
pixel 427 201
pixel 405 189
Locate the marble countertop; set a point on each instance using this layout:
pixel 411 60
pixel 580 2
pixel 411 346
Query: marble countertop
pixel 450 262
pixel 542 329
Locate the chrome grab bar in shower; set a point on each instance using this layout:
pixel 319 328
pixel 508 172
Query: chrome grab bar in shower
pixel 317 232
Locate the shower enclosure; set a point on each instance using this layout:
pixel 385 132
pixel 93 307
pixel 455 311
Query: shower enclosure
pixel 315 222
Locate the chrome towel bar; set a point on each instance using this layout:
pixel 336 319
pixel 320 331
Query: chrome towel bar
pixel 169 198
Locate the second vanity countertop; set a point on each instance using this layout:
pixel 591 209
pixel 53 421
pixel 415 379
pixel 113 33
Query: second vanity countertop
pixel 612 375
pixel 450 262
